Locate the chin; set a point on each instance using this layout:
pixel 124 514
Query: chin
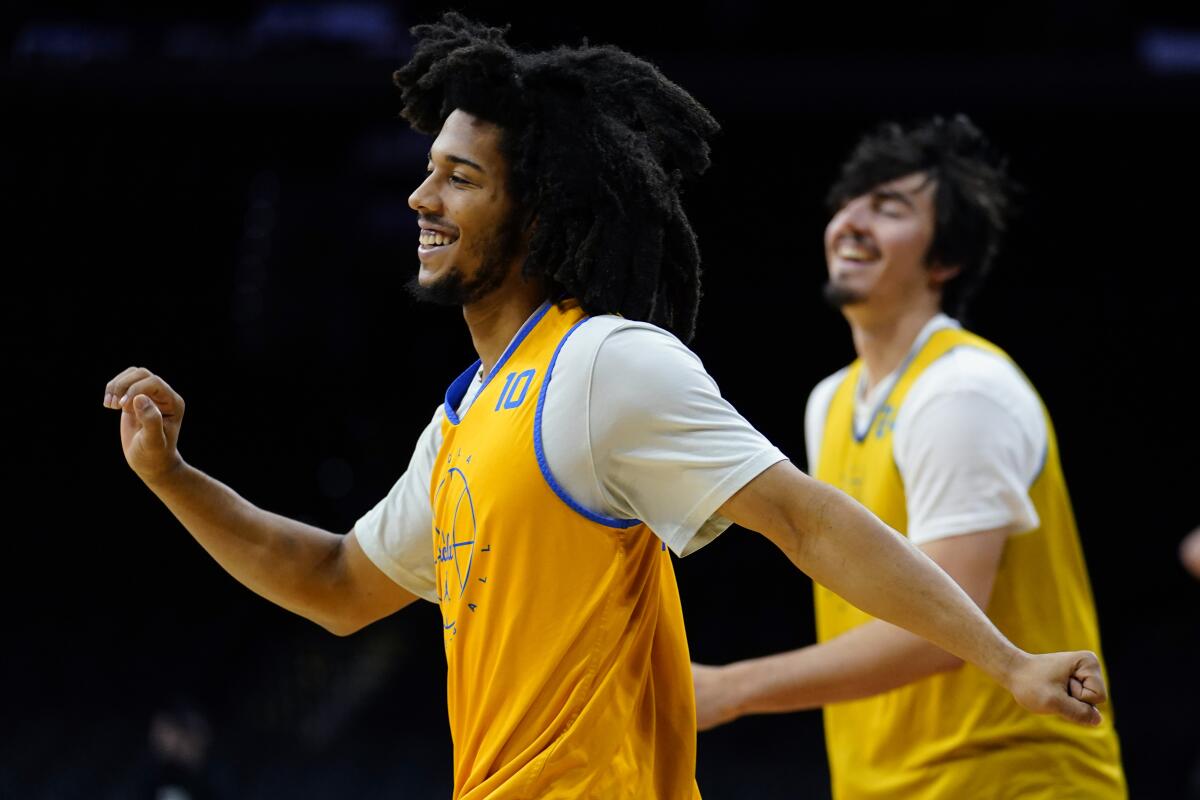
pixel 427 277
pixel 839 295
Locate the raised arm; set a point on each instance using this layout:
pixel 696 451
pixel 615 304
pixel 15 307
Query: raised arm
pixel 847 549
pixel 322 576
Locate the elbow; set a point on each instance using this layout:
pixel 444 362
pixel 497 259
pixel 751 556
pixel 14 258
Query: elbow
pixel 342 626
pixel 339 629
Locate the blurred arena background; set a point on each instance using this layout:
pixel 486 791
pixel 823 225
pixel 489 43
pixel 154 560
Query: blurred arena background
pixel 222 196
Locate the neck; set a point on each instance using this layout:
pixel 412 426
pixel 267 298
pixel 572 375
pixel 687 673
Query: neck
pixel 882 341
pixel 494 320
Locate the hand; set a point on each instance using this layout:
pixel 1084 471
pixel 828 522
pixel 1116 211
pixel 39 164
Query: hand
pixel 151 413
pixel 1189 552
pixel 1067 684
pixel 714 706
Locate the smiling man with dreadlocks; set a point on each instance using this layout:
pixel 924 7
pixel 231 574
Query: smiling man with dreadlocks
pixel 585 442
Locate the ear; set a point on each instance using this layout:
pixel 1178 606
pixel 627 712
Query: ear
pixel 941 274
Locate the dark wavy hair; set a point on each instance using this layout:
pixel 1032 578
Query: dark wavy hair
pixel 973 200
pixel 598 145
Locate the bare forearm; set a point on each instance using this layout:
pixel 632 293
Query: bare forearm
pixel 287 562
pixel 866 661
pixel 847 549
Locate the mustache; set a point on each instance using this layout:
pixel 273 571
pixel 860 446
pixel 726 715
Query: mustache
pixel 438 222
pixel 858 238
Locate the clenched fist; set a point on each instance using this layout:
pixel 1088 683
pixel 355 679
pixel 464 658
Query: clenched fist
pixel 151 412
pixel 1067 684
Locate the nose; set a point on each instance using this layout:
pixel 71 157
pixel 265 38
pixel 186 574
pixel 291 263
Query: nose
pixel 850 219
pixel 425 199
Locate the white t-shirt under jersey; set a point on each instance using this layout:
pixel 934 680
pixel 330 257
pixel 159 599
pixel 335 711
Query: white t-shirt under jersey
pixel 634 428
pixel 969 440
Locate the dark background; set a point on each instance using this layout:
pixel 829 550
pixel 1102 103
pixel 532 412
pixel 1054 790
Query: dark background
pixel 222 197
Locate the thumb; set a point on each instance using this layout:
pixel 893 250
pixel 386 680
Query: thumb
pixel 1077 711
pixel 151 421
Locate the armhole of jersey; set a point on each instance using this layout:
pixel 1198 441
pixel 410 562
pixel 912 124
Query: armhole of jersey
pixel 1042 466
pixel 819 433
pixel 540 453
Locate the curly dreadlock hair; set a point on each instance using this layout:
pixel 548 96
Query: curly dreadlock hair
pixel 973 202
pixel 598 145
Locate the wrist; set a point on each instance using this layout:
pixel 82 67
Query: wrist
pixel 1013 661
pixel 735 679
pixel 162 479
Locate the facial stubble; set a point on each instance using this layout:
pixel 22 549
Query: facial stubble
pixel 453 289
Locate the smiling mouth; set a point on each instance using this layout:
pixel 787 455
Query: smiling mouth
pixel 855 252
pixel 430 238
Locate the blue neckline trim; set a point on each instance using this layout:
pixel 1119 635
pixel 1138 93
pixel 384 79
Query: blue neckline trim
pixel 903 368
pixel 539 451
pixel 1046 414
pixel 458 389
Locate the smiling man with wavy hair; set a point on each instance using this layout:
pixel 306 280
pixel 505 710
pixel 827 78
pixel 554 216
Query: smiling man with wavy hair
pixel 542 498
pixel 936 431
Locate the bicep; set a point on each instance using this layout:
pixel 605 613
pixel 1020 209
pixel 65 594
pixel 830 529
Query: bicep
pixel 371 592
pixel 972 559
pixel 779 503
pixel 784 504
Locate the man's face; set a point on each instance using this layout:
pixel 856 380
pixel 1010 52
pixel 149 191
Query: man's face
pixel 470 237
pixel 875 245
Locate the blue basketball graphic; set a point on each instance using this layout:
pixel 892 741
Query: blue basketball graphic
pixel 456 541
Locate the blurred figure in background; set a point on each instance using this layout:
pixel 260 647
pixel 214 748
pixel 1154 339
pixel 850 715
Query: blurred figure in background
pixel 179 740
pixel 1189 556
pixel 1189 552
pixel 936 431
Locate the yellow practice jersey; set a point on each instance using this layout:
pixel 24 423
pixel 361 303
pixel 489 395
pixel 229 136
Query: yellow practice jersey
pixel 959 735
pixel 568 669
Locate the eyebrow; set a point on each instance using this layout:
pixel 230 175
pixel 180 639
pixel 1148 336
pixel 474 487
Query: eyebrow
pixel 466 162
pixel 892 194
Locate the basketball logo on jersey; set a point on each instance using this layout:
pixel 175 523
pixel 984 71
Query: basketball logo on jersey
pixel 455 535
pixel 886 421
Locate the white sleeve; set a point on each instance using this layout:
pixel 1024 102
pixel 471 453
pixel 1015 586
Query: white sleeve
pixel 967 457
pixel 397 533
pixel 815 414
pixel 666 447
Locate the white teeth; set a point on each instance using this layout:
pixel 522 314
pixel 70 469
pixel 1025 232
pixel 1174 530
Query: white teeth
pixel 435 238
pixel 852 252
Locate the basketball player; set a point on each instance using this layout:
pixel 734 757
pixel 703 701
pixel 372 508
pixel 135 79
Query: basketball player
pixel 937 432
pixel 581 445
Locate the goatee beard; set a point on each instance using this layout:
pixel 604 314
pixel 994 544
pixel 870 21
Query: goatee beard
pixel 452 290
pixel 840 296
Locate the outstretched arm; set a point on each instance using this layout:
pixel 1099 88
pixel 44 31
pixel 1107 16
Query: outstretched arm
pixel 322 576
pixel 847 549
pixel 867 660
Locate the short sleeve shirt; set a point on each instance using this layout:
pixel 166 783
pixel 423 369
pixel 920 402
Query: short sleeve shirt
pixel 969 441
pixel 633 428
